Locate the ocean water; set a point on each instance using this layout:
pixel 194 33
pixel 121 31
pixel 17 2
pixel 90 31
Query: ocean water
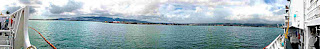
pixel 99 35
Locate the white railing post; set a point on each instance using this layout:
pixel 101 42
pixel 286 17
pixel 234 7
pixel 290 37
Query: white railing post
pixel 18 37
pixel 26 35
pixel 20 29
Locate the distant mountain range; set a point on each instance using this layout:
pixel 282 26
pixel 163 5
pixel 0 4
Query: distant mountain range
pixel 101 19
pixel 133 21
pixel 239 24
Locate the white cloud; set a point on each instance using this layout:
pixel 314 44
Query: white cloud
pixel 209 11
pixel 247 12
pixel 256 11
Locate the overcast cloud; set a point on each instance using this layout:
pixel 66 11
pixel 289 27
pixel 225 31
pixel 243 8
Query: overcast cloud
pixel 177 11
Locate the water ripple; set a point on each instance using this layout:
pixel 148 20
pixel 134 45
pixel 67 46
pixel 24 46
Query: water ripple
pixel 98 35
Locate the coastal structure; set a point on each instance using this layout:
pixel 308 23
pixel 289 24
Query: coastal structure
pixel 302 26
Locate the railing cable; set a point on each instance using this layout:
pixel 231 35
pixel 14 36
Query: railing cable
pixel 44 38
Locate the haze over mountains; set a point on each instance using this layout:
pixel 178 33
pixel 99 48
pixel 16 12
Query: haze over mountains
pixel 133 21
pixel 101 19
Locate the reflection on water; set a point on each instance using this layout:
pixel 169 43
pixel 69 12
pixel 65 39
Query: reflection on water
pixel 83 34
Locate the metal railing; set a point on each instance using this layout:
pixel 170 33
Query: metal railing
pixel 276 43
pixel 18 30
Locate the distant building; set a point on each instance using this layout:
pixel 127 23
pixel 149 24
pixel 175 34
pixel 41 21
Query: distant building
pixel 115 21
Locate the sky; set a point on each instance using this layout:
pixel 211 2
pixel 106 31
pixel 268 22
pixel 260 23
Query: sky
pixel 167 11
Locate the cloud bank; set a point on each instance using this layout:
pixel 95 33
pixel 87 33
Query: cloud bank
pixel 173 11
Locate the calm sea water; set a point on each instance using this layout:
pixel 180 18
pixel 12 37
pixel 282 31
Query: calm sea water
pixel 98 35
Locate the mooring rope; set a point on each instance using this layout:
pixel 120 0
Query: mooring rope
pixel 44 38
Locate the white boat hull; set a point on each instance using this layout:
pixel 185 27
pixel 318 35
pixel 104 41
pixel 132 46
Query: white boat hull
pixel 278 43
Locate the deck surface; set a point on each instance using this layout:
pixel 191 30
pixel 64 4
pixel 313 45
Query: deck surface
pixel 4 40
pixel 288 44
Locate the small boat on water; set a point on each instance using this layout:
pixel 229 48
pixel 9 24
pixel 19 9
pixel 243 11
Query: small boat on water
pixel 302 26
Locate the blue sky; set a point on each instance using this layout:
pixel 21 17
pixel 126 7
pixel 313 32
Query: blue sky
pixel 173 11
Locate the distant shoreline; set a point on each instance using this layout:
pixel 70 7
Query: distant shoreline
pixel 190 24
pixel 43 19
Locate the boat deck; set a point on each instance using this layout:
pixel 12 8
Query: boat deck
pixel 288 44
pixel 16 36
pixel 277 43
pixel 4 41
